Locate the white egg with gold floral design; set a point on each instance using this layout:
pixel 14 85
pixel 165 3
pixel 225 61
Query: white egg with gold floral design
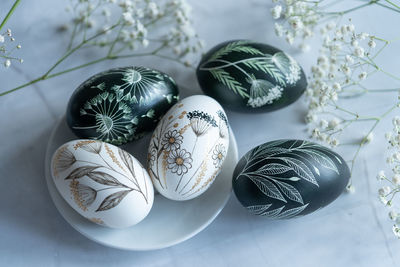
pixel 102 182
pixel 188 148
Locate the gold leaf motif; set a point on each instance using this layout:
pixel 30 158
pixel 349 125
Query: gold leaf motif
pixel 182 114
pixel 165 166
pixel 112 156
pixel 63 160
pixel 184 128
pixel 201 175
pixel 207 182
pixel 83 195
pixel 82 143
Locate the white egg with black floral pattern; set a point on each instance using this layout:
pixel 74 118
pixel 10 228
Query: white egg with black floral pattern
pixel 102 182
pixel 188 148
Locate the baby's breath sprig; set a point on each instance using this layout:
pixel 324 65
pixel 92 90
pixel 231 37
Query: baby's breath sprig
pixel 7 40
pixel 388 194
pixel 345 63
pixel 298 20
pixel 127 29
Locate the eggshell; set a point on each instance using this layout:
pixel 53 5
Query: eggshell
pixel 188 148
pixel 102 182
pixel 120 105
pixel 288 178
pixel 251 77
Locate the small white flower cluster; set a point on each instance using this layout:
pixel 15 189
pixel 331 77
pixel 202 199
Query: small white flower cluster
pixel 387 193
pixel 133 24
pixel 340 70
pixel 6 41
pixel 296 20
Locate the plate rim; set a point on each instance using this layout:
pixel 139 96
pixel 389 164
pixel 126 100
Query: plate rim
pixel 52 192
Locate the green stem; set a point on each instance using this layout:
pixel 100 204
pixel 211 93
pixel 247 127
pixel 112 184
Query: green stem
pixel 10 12
pixel 393 4
pixel 340 13
pixel 49 76
pixel 388 7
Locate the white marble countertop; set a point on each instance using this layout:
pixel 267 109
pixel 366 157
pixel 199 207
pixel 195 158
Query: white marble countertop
pixel 352 231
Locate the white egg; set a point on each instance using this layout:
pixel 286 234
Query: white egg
pixel 188 148
pixel 102 182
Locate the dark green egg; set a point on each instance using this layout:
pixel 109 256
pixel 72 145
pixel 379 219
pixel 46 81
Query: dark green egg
pixel 288 178
pixel 251 77
pixel 120 105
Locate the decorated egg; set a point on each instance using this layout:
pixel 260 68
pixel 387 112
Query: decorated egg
pixel 119 105
pixel 249 76
pixel 188 148
pixel 102 182
pixel 288 178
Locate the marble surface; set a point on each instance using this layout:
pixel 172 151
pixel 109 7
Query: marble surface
pixel 353 231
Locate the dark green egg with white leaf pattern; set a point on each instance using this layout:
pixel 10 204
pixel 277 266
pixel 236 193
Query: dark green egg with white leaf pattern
pixel 288 178
pixel 252 77
pixel 120 105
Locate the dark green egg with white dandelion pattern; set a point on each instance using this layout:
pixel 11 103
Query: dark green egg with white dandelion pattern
pixel 288 178
pixel 120 105
pixel 251 77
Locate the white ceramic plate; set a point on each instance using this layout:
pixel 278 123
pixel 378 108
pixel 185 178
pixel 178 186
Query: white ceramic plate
pixel 168 223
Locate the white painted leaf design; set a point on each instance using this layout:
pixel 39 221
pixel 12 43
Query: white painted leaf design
pixel 290 191
pixel 258 209
pixel 273 143
pixel 273 168
pixel 270 152
pixel 237 46
pixel 316 170
pixel 266 65
pixel 309 145
pixel 267 187
pixel 273 213
pixel 291 212
pixel 282 61
pixel 225 78
pixel 301 169
pixel 319 157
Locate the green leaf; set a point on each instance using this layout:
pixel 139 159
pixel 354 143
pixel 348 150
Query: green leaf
pixel 229 81
pixel 266 65
pixel 238 46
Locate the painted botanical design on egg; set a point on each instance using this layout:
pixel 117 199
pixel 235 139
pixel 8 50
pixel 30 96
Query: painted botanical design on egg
pixel 115 121
pixel 271 178
pixel 102 174
pixel 140 83
pixel 172 140
pixel 282 68
pixel 179 161
pixel 169 153
pixel 219 154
